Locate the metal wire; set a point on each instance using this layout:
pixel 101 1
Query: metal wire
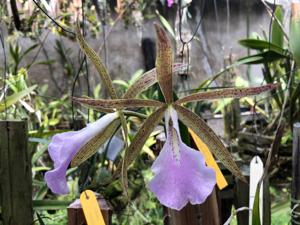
pixel 53 20
pixel 85 60
pixel 185 43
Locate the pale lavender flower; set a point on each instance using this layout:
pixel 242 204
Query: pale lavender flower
pixel 181 175
pixel 64 147
pixel 170 3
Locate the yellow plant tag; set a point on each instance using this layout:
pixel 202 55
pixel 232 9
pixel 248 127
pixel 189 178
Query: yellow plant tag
pixel 209 159
pixel 91 208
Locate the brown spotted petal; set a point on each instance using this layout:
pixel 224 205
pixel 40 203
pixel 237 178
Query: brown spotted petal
pixel 227 93
pixel 164 63
pixel 92 55
pixel 147 80
pixel 93 145
pixel 140 138
pixel 208 136
pixel 118 103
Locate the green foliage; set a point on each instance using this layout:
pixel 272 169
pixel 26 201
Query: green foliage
pixel 294 39
pixel 14 98
pixel 277 32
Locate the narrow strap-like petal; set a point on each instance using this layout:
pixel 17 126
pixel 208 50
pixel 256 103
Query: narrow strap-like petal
pixel 92 55
pixel 140 138
pixel 227 93
pixel 93 145
pixel 118 103
pixel 164 63
pixel 147 80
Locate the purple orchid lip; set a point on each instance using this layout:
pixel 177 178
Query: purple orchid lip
pixel 63 148
pixel 181 175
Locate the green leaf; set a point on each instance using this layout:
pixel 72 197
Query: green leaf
pixel 28 50
pixel 262 45
pixel 40 219
pixel 222 104
pixel 14 98
pixel 294 37
pixel 50 204
pixel 122 83
pixel 277 32
pixel 136 76
pixel 264 57
pixel 166 24
pixel 40 168
pixel 255 211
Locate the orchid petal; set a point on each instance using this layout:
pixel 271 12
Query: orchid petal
pixel 227 93
pixel 63 148
pixel 118 103
pixel 182 178
pixel 164 63
pixel 209 137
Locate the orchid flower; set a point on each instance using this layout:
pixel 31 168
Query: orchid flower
pixel 180 173
pixel 64 146
pixel 76 147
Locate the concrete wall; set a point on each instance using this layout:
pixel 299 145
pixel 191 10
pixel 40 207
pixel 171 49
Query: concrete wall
pixel 217 37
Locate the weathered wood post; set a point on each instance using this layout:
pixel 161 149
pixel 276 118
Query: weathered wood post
pixel 76 215
pixel 295 192
pixel 15 174
pixel 204 214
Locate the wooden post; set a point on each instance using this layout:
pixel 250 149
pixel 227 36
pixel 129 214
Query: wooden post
pixel 242 196
pixel 204 214
pixel 266 202
pixel 15 174
pixel 226 196
pixel 295 192
pixel 76 216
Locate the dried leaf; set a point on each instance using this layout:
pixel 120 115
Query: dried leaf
pixel 118 103
pixel 92 146
pixel 147 80
pixel 227 93
pixel 92 55
pixel 208 136
pixel 164 63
